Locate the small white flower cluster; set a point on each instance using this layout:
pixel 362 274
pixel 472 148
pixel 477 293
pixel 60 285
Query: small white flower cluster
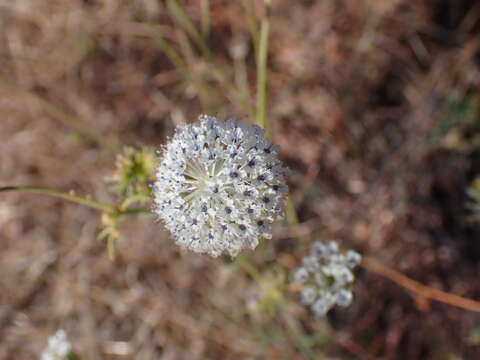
pixel 220 186
pixel 327 277
pixel 58 347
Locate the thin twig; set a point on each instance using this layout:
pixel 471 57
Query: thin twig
pixel 421 292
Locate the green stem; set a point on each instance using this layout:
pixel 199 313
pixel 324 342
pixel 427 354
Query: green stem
pixel 136 212
pixel 76 199
pixel 62 195
pixel 253 23
pixel 205 8
pixel 169 51
pixel 180 15
pixel 262 101
pixel 243 262
pixel 292 217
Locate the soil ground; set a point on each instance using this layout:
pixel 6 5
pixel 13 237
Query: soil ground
pixel 375 105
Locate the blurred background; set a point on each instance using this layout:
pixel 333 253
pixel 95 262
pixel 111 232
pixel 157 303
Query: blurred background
pixel 375 105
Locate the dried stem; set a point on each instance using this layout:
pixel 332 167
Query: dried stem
pixel 422 293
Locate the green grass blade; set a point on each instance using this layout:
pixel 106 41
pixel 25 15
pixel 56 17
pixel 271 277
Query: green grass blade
pixel 205 8
pixel 262 101
pixel 253 23
pixel 184 21
pixel 169 51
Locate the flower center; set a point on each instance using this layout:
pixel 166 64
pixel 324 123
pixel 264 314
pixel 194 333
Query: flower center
pixel 202 177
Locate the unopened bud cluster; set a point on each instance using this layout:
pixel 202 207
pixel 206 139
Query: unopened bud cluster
pixel 134 173
pixel 326 276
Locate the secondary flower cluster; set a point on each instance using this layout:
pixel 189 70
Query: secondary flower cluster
pixel 327 277
pixel 220 186
pixel 134 172
pixel 58 347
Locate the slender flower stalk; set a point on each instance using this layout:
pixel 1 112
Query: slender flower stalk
pixel 68 196
pixel 60 194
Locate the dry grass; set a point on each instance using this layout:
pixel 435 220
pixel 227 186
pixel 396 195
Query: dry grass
pixel 367 102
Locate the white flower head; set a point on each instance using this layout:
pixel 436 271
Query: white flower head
pixel 327 277
pixel 220 186
pixel 58 347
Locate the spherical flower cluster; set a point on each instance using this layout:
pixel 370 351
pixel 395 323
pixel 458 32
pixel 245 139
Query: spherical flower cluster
pixel 220 186
pixel 58 347
pixel 326 276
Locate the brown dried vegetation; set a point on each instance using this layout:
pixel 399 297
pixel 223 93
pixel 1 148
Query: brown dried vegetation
pixel 369 101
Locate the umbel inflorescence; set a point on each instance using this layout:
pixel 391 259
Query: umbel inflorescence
pixel 220 186
pixel 326 276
